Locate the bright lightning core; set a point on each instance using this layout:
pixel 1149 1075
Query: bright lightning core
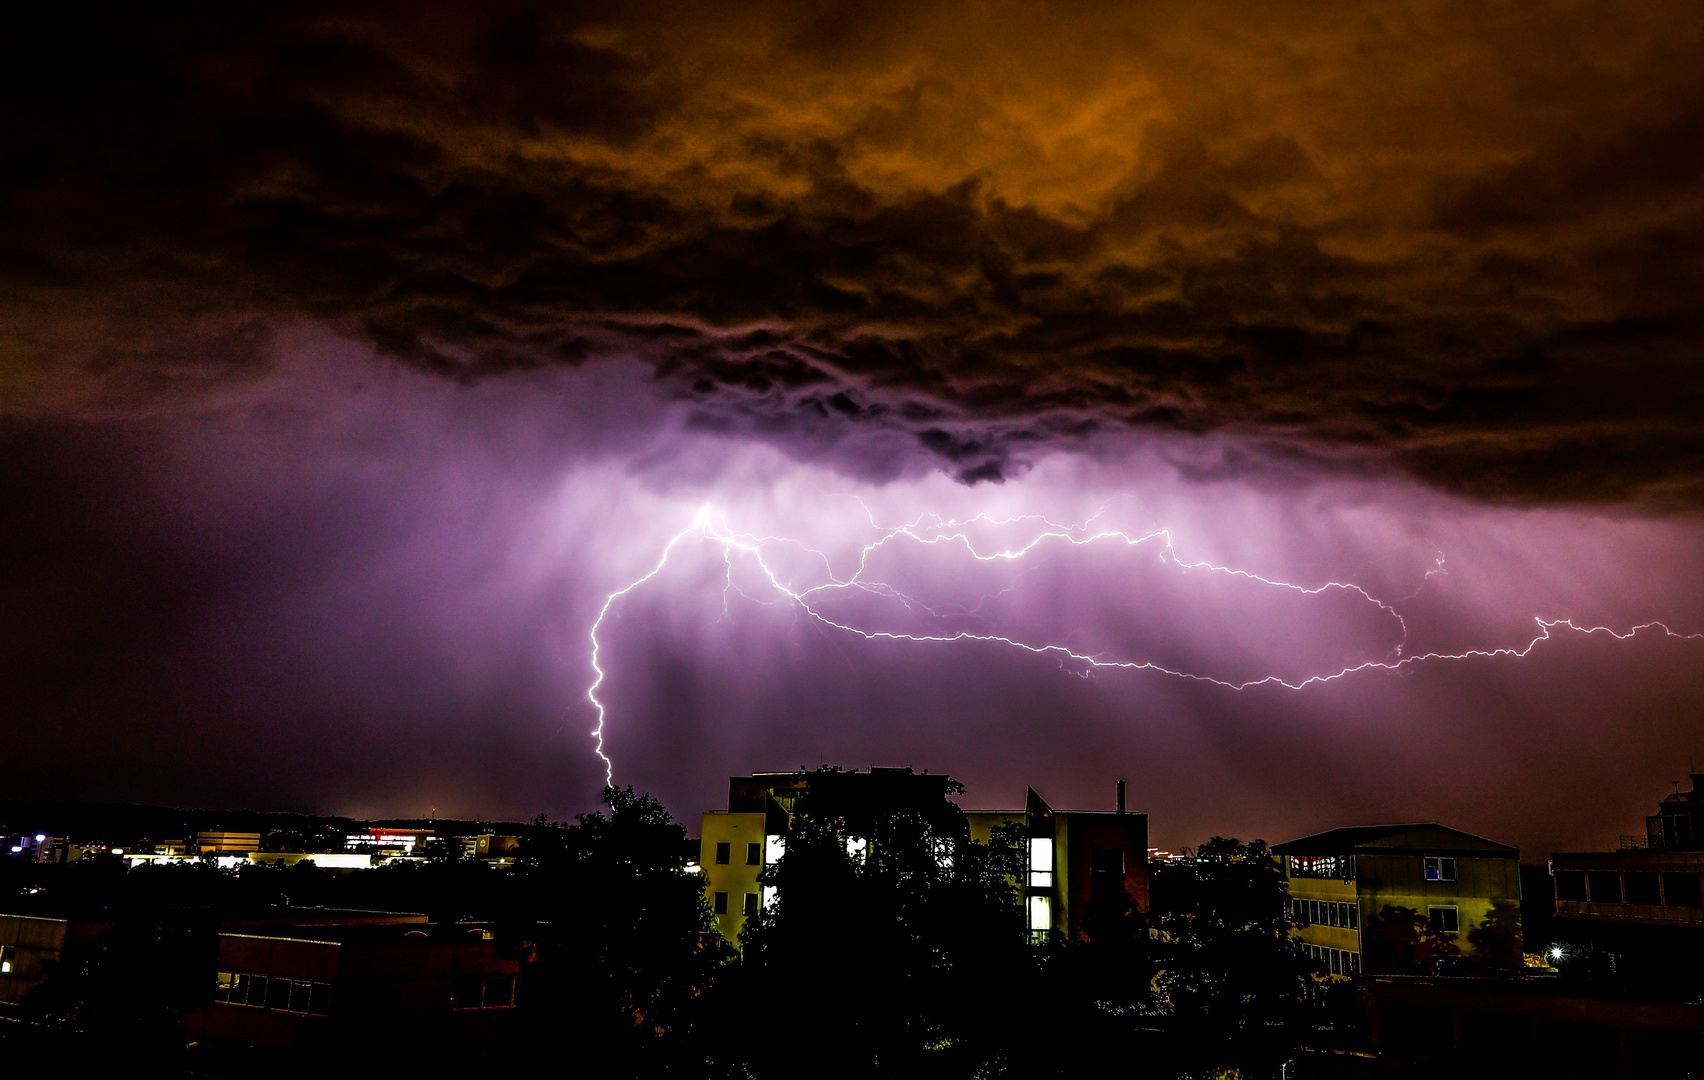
pixel 857 602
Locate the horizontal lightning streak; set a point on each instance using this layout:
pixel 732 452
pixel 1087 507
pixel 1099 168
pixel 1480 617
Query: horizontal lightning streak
pixel 953 533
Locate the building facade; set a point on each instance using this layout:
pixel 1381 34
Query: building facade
pixel 1397 898
pixel 1640 907
pixel 305 986
pixel 1080 863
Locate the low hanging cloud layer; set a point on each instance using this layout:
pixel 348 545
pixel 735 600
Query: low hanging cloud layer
pixel 1464 240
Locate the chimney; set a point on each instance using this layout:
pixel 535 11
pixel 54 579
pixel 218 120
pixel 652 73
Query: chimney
pixel 1121 796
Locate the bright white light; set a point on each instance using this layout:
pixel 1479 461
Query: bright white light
pixel 1041 913
pixel 41 838
pixel 1041 861
pixel 1556 952
pixel 944 854
pixel 773 848
pixel 856 848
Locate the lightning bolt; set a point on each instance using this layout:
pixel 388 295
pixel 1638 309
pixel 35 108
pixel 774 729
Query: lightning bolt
pixel 933 530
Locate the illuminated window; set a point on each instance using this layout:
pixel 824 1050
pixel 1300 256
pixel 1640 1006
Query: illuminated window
pixel 773 848
pixel 1445 920
pixel 754 854
pixel 721 903
pixel 1439 868
pixel 8 956
pixel 1040 916
pixel 723 853
pixel 856 848
pixel 1041 862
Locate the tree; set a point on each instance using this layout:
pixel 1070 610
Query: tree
pixel 1496 941
pixel 1226 964
pixel 629 948
pixel 1400 941
pixel 887 928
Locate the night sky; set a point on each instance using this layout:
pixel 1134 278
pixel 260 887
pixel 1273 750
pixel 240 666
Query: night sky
pixel 351 356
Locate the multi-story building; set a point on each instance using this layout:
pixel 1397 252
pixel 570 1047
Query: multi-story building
pixel 304 987
pixel 1382 898
pixel 1076 858
pixel 221 842
pixel 30 946
pixel 1642 903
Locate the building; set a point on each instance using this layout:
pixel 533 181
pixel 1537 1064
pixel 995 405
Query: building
pixel 383 841
pixel 1402 898
pixel 1076 858
pixel 226 843
pixel 320 985
pixel 29 947
pixel 1523 1027
pixel 1640 908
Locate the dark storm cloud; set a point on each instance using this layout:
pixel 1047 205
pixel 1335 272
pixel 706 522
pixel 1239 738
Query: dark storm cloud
pixel 1462 240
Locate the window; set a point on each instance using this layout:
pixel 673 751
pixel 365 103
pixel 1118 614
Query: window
pixel 1570 884
pixel 1351 964
pixel 8 957
pixel 1341 867
pixel 1681 890
pixel 1354 911
pixel 1605 886
pixel 271 992
pixel 1040 917
pixel 1041 862
pixel 483 992
pixel 754 854
pixel 1642 887
pixel 722 853
pixel 751 899
pixel 249 990
pixel 1445 920
pixel 1439 868
pixel 721 903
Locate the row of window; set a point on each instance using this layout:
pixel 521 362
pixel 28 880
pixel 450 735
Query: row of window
pixel 1631 887
pixel 483 992
pixel 1337 867
pixel 757 854
pixel 752 904
pixel 270 992
pixel 754 853
pixel 314 998
pixel 1342 867
pixel 1336 961
pixel 1325 913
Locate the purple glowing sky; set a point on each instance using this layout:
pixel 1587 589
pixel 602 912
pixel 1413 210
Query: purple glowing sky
pixel 355 588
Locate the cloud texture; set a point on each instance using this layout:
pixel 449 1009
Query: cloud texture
pixel 1462 239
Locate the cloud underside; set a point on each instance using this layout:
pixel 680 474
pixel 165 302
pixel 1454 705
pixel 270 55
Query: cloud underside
pixel 1459 241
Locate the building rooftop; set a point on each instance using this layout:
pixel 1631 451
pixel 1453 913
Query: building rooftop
pixel 1422 834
